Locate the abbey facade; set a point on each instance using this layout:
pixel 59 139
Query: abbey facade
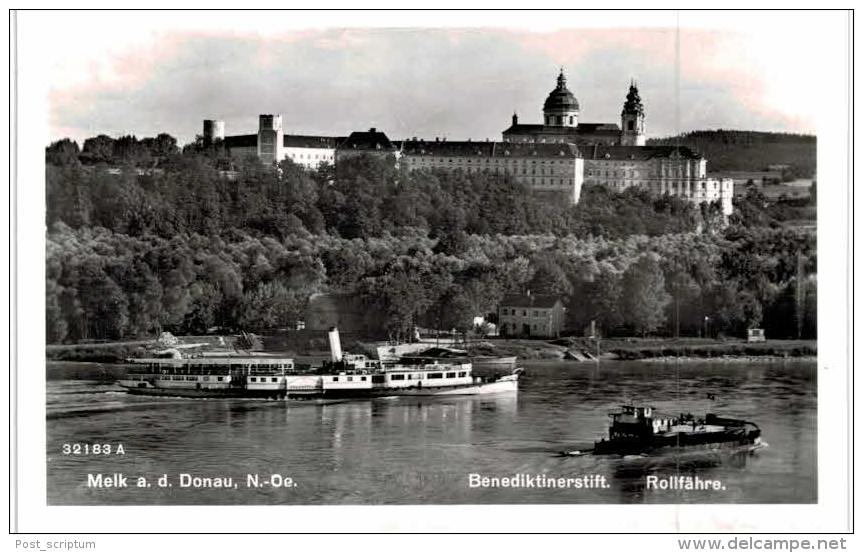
pixel 557 156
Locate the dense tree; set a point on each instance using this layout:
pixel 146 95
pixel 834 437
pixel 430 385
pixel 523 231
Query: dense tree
pixel 644 295
pixel 99 149
pixel 189 245
pixel 163 145
pixel 62 153
pixel 56 327
pixel 604 293
pixel 271 305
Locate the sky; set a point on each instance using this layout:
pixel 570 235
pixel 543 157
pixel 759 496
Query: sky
pixel 121 74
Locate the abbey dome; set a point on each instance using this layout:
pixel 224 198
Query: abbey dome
pixel 561 98
pixel 560 122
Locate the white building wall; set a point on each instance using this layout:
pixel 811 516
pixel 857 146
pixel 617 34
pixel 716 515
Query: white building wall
pixel 683 178
pixel 310 158
pixel 564 174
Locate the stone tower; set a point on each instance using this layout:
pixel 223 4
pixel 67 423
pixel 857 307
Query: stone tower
pixel 561 107
pixel 632 119
pixel 213 130
pixel 270 138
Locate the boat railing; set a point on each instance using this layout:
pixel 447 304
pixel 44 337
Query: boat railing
pixel 427 367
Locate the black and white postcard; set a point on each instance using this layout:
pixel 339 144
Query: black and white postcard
pixel 487 271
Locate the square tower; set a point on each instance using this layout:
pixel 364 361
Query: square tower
pixel 270 138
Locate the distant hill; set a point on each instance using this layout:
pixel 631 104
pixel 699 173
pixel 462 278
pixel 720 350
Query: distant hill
pixel 749 150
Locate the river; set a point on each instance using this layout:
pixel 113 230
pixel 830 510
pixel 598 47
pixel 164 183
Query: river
pixel 423 451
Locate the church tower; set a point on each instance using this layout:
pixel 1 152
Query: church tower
pixel 561 107
pixel 632 119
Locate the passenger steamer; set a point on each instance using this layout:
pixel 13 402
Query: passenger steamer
pixel 344 376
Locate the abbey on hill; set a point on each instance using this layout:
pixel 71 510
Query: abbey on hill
pixel 555 157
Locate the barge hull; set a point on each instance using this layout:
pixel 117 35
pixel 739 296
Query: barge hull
pixel 689 443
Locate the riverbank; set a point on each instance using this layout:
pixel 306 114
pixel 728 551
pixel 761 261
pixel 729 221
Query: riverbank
pixel 626 349
pixel 119 351
pixel 649 349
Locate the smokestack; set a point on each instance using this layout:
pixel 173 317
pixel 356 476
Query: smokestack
pixel 335 345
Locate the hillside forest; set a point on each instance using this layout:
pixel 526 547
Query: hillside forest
pixel 144 237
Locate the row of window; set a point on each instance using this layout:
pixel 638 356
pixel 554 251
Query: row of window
pixel 402 376
pixel 513 311
pixel 319 157
pixel 190 378
pixel 559 119
pixel 435 159
pixel 350 379
pixel 537 180
pixel 188 370
pixel 633 173
pixel 660 187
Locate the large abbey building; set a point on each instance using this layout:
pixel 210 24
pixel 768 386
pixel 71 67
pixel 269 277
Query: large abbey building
pixel 557 156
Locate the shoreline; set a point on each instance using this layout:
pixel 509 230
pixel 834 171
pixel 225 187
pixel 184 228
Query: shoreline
pixel 576 350
pixel 731 359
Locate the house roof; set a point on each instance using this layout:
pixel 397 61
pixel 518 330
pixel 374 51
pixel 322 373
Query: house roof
pixel 372 139
pixel 545 301
pixel 581 129
pixel 288 141
pixel 638 153
pixel 242 141
pixel 597 127
pixel 488 149
pixel 311 141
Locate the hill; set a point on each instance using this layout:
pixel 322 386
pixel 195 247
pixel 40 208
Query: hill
pixel 728 150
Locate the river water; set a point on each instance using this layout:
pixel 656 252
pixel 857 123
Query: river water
pixel 423 451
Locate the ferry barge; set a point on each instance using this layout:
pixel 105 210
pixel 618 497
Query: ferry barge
pixel 639 430
pixel 343 376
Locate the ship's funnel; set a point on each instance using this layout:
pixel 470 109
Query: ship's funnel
pixel 335 344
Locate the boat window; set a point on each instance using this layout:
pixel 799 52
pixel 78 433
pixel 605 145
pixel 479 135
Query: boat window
pixel 450 375
pixel 435 375
pixel 221 379
pixel 274 379
pixel 363 378
pixel 397 377
pixel 335 379
pixel 206 379
pixel 350 379
pixel 462 374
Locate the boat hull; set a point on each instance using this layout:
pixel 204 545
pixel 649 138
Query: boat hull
pixel 502 386
pixel 717 440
